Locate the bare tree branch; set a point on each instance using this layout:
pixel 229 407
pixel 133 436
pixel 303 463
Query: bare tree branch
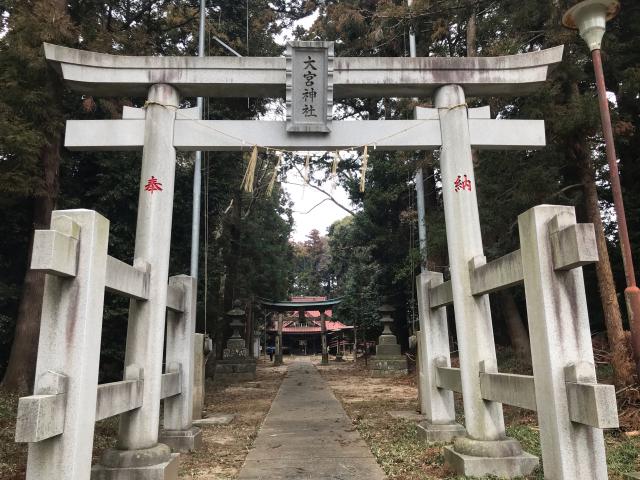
pixel 324 192
pixel 316 205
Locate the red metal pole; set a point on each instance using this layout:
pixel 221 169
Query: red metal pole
pixel 632 292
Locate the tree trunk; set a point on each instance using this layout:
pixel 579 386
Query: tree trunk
pixel 21 369
pixel 248 332
pixel 621 359
pixel 233 254
pixel 472 35
pixel 516 330
pixel 432 204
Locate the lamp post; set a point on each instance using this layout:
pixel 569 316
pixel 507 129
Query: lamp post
pixel 589 17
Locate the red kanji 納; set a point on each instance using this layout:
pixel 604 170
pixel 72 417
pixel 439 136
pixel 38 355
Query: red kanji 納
pixel 462 184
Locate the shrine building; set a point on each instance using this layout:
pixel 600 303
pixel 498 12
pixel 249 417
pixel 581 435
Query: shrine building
pixel 302 330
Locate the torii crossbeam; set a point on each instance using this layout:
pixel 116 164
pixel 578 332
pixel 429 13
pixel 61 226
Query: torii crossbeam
pixel 104 74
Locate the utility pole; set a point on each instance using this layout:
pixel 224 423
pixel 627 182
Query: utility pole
pixel 197 167
pixel 419 179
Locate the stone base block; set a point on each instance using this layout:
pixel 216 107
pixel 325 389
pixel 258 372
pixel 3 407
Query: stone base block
pixel 235 377
pixel 182 441
pixel 235 370
pixel 156 463
pixel 502 467
pixel 388 366
pixel 388 350
pixel 434 433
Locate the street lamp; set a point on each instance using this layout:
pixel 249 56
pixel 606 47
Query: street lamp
pixel 589 17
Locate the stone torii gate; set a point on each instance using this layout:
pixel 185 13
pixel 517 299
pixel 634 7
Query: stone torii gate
pixel 161 128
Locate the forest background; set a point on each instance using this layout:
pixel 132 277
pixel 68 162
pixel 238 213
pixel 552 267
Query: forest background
pixel 246 252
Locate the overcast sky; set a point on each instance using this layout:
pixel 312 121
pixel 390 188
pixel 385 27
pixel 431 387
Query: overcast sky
pixel 305 198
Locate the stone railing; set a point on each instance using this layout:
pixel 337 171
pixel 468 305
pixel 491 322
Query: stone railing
pixel 58 420
pixel 572 407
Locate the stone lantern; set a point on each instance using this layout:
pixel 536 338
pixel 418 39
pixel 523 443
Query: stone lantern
pixel 387 342
pixel 236 345
pixel 236 364
pixel 388 359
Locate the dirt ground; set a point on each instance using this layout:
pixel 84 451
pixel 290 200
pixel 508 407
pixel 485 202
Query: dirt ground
pixel 367 401
pixel 394 442
pixel 404 456
pixel 225 446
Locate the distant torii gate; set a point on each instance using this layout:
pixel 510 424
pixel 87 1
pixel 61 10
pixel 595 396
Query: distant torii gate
pixel 311 306
pixel 161 128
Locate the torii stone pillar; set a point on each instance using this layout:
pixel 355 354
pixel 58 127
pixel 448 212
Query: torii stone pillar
pixel 485 449
pixel 323 330
pixel 278 359
pixel 138 453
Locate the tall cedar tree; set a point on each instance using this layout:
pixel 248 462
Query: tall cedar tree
pixel 33 105
pixel 567 171
pixel 31 119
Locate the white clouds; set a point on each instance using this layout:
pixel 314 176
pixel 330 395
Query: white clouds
pixel 305 23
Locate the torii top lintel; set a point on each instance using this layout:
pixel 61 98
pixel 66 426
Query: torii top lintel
pixel 103 74
pixel 313 306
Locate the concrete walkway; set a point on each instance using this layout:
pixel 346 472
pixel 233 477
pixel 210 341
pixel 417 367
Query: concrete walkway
pixel 307 435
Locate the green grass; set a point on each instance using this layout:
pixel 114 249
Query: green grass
pixel 623 454
pixel 404 456
pixel 13 456
pixel 604 372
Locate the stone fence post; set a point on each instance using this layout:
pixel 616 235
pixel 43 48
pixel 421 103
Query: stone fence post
pixel 198 375
pixel 74 253
pixel 562 354
pixel 179 432
pixel 436 404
